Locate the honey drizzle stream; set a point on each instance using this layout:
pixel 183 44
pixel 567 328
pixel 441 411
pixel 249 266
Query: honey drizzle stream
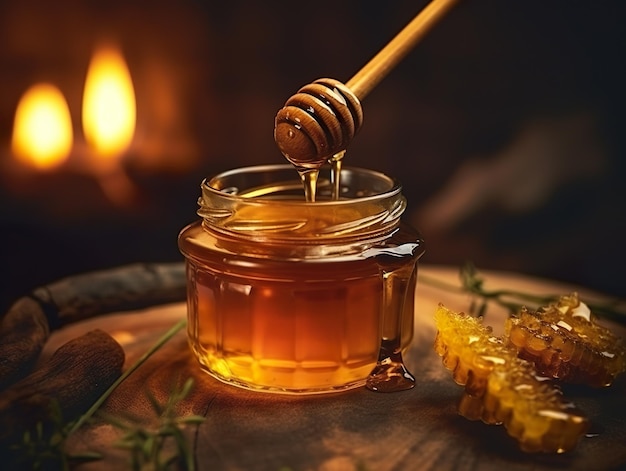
pixel 310 176
pixel 335 173
pixel 309 180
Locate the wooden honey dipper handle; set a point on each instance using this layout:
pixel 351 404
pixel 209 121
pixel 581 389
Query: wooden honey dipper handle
pixel 321 119
pixel 389 56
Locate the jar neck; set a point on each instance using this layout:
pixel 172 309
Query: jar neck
pixel 370 207
pixel 306 225
pixel 279 248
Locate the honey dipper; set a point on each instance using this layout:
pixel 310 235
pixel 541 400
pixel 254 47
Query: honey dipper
pixel 319 121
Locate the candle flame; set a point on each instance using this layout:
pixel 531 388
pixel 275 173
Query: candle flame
pixel 109 107
pixel 42 131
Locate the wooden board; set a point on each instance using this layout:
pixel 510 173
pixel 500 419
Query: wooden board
pixel 356 429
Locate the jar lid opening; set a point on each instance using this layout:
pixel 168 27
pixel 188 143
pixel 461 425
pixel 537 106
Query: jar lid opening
pixel 268 201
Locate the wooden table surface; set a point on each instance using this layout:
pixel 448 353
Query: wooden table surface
pixel 357 429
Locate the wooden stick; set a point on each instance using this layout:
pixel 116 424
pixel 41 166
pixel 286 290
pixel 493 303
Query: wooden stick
pixel 388 57
pixel 25 328
pixel 320 120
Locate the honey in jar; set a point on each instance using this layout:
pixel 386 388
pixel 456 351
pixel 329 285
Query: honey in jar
pixel 293 296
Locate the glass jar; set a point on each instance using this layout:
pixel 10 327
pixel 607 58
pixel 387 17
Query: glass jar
pixel 292 296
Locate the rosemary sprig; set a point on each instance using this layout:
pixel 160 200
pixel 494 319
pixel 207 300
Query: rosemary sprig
pixel 148 446
pixel 513 300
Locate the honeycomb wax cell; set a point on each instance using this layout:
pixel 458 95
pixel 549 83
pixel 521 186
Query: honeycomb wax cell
pixel 565 341
pixel 501 388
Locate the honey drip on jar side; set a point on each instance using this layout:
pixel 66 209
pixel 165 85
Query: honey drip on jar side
pixel 390 374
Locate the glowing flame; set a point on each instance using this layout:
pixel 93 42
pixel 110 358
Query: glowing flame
pixel 109 108
pixel 42 132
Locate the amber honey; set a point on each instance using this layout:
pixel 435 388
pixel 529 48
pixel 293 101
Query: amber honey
pixel 290 296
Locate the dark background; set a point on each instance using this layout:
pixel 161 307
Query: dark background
pixel 504 125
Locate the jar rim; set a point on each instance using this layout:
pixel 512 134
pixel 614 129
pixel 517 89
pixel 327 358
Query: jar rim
pixel 267 202
pixel 217 185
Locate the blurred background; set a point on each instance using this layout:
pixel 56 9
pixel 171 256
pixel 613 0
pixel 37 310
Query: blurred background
pixel 504 126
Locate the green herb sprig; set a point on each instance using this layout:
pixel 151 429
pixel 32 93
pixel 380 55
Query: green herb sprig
pixel 148 447
pixel 43 447
pixel 472 283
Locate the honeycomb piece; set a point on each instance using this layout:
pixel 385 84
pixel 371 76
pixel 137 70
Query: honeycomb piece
pixel 564 341
pixel 501 388
pixel 468 349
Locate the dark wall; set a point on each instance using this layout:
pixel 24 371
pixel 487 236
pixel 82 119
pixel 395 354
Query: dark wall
pixel 504 125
